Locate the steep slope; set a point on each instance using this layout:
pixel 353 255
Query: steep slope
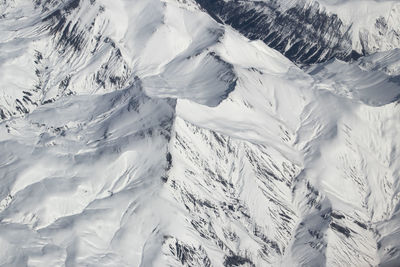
pixel 300 178
pixel 309 31
pixel 52 50
pixel 178 142
pixel 82 47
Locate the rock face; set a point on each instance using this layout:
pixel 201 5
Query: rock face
pixel 306 32
pixel 47 50
pixel 148 133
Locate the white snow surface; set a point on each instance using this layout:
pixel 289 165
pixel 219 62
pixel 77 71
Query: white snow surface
pixel 363 16
pixel 374 25
pixel 166 139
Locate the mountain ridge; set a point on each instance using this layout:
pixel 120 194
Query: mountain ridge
pixel 177 141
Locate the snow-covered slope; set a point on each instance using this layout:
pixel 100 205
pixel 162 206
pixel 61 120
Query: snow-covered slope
pixel 373 24
pixel 309 31
pixel 155 136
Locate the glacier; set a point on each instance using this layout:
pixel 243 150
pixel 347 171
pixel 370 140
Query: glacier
pixel 155 133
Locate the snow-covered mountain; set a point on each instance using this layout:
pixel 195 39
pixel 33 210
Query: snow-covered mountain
pixel 309 31
pixel 152 133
